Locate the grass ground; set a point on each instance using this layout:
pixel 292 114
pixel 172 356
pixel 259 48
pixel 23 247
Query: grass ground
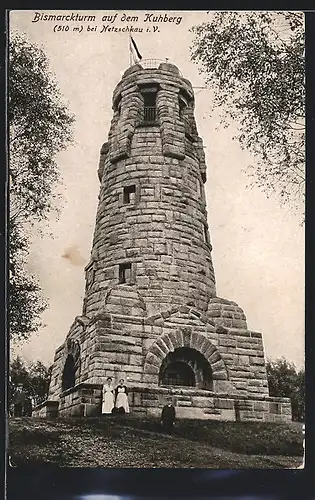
pixel 131 442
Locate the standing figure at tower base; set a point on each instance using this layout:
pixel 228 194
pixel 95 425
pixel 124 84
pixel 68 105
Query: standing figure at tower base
pixel 108 397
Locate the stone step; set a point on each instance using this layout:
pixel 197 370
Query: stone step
pixel 184 403
pixel 183 398
pixel 212 411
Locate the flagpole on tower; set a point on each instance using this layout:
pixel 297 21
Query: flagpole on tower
pixel 134 52
pixel 130 52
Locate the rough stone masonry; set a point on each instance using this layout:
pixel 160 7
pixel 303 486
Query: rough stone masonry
pixel 151 314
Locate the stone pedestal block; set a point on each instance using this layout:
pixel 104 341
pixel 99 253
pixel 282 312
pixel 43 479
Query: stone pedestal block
pixel 47 409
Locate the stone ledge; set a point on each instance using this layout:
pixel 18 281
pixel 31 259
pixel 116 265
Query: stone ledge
pixel 81 385
pixel 46 403
pixel 205 392
pixel 183 392
pixel 222 404
pixel 46 409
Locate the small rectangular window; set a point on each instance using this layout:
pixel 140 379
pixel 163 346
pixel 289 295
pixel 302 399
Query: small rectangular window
pixel 149 99
pixel 149 110
pixel 129 194
pixel 125 272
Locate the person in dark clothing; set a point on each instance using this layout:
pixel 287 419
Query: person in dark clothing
pixel 18 402
pixel 168 417
pixel 17 409
pixel 28 408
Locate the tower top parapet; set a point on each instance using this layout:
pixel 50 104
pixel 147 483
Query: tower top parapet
pixel 153 71
pixel 161 64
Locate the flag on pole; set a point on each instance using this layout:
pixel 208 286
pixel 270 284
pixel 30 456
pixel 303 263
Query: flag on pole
pixel 134 51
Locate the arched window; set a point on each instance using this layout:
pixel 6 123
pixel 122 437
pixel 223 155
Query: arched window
pixel 186 367
pixel 68 374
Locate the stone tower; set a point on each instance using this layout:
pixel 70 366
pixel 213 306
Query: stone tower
pixel 151 314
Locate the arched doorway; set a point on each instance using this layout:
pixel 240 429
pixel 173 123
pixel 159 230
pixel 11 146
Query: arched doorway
pixel 186 367
pixel 68 374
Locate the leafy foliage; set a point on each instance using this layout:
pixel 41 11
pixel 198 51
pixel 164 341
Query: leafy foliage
pixel 286 381
pixel 26 300
pixel 254 62
pixel 33 377
pixel 39 128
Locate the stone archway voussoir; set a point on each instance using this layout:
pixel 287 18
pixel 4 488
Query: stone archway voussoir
pixel 153 359
pixel 218 366
pixel 187 338
pixel 220 375
pixel 162 346
pixel 206 344
pixel 176 339
pixel 195 341
pixel 157 351
pixel 209 351
pixel 215 356
pixel 151 369
pixel 167 341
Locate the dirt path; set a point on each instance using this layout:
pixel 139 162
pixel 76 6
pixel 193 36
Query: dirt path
pixel 35 442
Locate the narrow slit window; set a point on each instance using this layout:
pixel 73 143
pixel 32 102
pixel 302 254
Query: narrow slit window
pixel 149 99
pixel 182 106
pixel 125 272
pixel 205 234
pixel 118 105
pixel 129 194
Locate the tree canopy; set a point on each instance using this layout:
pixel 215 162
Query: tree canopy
pixel 34 377
pixel 254 62
pixel 40 126
pixel 286 381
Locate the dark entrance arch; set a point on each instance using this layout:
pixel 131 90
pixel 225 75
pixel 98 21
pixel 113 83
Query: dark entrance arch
pixel 178 373
pixel 68 374
pixel 186 367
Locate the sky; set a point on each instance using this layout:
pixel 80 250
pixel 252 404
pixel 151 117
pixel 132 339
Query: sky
pixel 258 246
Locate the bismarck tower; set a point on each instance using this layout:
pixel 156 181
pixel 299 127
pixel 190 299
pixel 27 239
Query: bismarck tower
pixel 150 313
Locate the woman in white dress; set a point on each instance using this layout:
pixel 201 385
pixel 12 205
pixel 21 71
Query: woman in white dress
pixel 108 397
pixel 122 396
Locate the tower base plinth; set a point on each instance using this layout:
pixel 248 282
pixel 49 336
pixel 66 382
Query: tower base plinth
pixel 84 400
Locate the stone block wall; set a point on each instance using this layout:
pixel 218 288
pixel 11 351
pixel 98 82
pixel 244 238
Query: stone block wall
pixel 163 232
pixel 150 298
pixel 82 400
pixel 202 405
pixel 134 346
